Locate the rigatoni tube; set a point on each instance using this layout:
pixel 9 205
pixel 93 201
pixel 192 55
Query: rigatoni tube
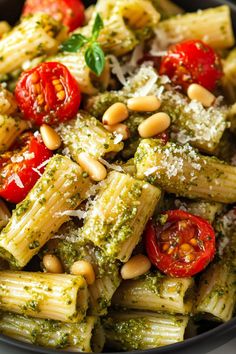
pixel 34 36
pixel 10 129
pixel 213 26
pixel 229 78
pixel 73 249
pixel 87 80
pixel 182 170
pixel 59 297
pixel 87 134
pixel 117 217
pixel 154 292
pixel 8 103
pixel 63 186
pixel 143 330
pixel 76 337
pixel 125 23
pixel 217 293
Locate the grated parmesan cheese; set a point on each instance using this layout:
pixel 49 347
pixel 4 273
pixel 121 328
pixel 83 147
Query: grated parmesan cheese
pixel 151 170
pixel 81 214
pixel 44 163
pixel 116 69
pixel 16 159
pixel 118 138
pixel 37 171
pixel 111 166
pixel 15 177
pixel 28 155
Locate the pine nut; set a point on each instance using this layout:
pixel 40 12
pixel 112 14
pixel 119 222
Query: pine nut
pixel 117 113
pixel 154 125
pixel 93 167
pixel 52 264
pixel 119 129
pixel 200 94
pixel 144 104
pixel 84 268
pixel 50 137
pixel 136 266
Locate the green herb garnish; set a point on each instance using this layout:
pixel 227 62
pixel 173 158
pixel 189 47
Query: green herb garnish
pixel 94 55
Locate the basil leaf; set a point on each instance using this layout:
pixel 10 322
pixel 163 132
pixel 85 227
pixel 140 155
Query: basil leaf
pixel 74 43
pixel 97 26
pixel 95 58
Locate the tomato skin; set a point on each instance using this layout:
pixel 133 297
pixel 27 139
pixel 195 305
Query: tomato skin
pixel 171 264
pixel 192 61
pixel 37 98
pixel 69 12
pixel 29 145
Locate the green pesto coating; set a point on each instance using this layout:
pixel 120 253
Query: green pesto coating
pixel 115 217
pixel 61 187
pixel 129 332
pixel 133 330
pixel 72 247
pixel 182 170
pixel 49 333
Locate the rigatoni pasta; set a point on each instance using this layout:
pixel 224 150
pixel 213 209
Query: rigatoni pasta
pixel 143 330
pixel 33 37
pixel 59 297
pixel 115 221
pixel 73 248
pixel 75 337
pixel 216 296
pixel 153 292
pixel 10 129
pixel 87 80
pixel 63 186
pixel 213 26
pixel 8 103
pixel 181 170
pixel 125 24
pixel 87 134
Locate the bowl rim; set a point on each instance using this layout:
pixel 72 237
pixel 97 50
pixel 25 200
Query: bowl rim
pixel 220 330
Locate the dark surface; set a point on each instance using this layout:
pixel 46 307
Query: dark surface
pixel 10 10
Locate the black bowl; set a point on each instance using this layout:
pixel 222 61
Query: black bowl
pixel 10 11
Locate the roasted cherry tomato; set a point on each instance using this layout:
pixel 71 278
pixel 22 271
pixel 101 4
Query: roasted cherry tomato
pixel 69 12
pixel 181 246
pixel 48 93
pixel 190 62
pixel 21 167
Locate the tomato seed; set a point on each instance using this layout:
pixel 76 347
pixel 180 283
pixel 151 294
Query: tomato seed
pixel 59 88
pixel 34 78
pixel 193 242
pixel 61 95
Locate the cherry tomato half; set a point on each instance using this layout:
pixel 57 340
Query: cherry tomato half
pixel 69 12
pixel 183 246
pixel 48 93
pixel 20 168
pixel 190 62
